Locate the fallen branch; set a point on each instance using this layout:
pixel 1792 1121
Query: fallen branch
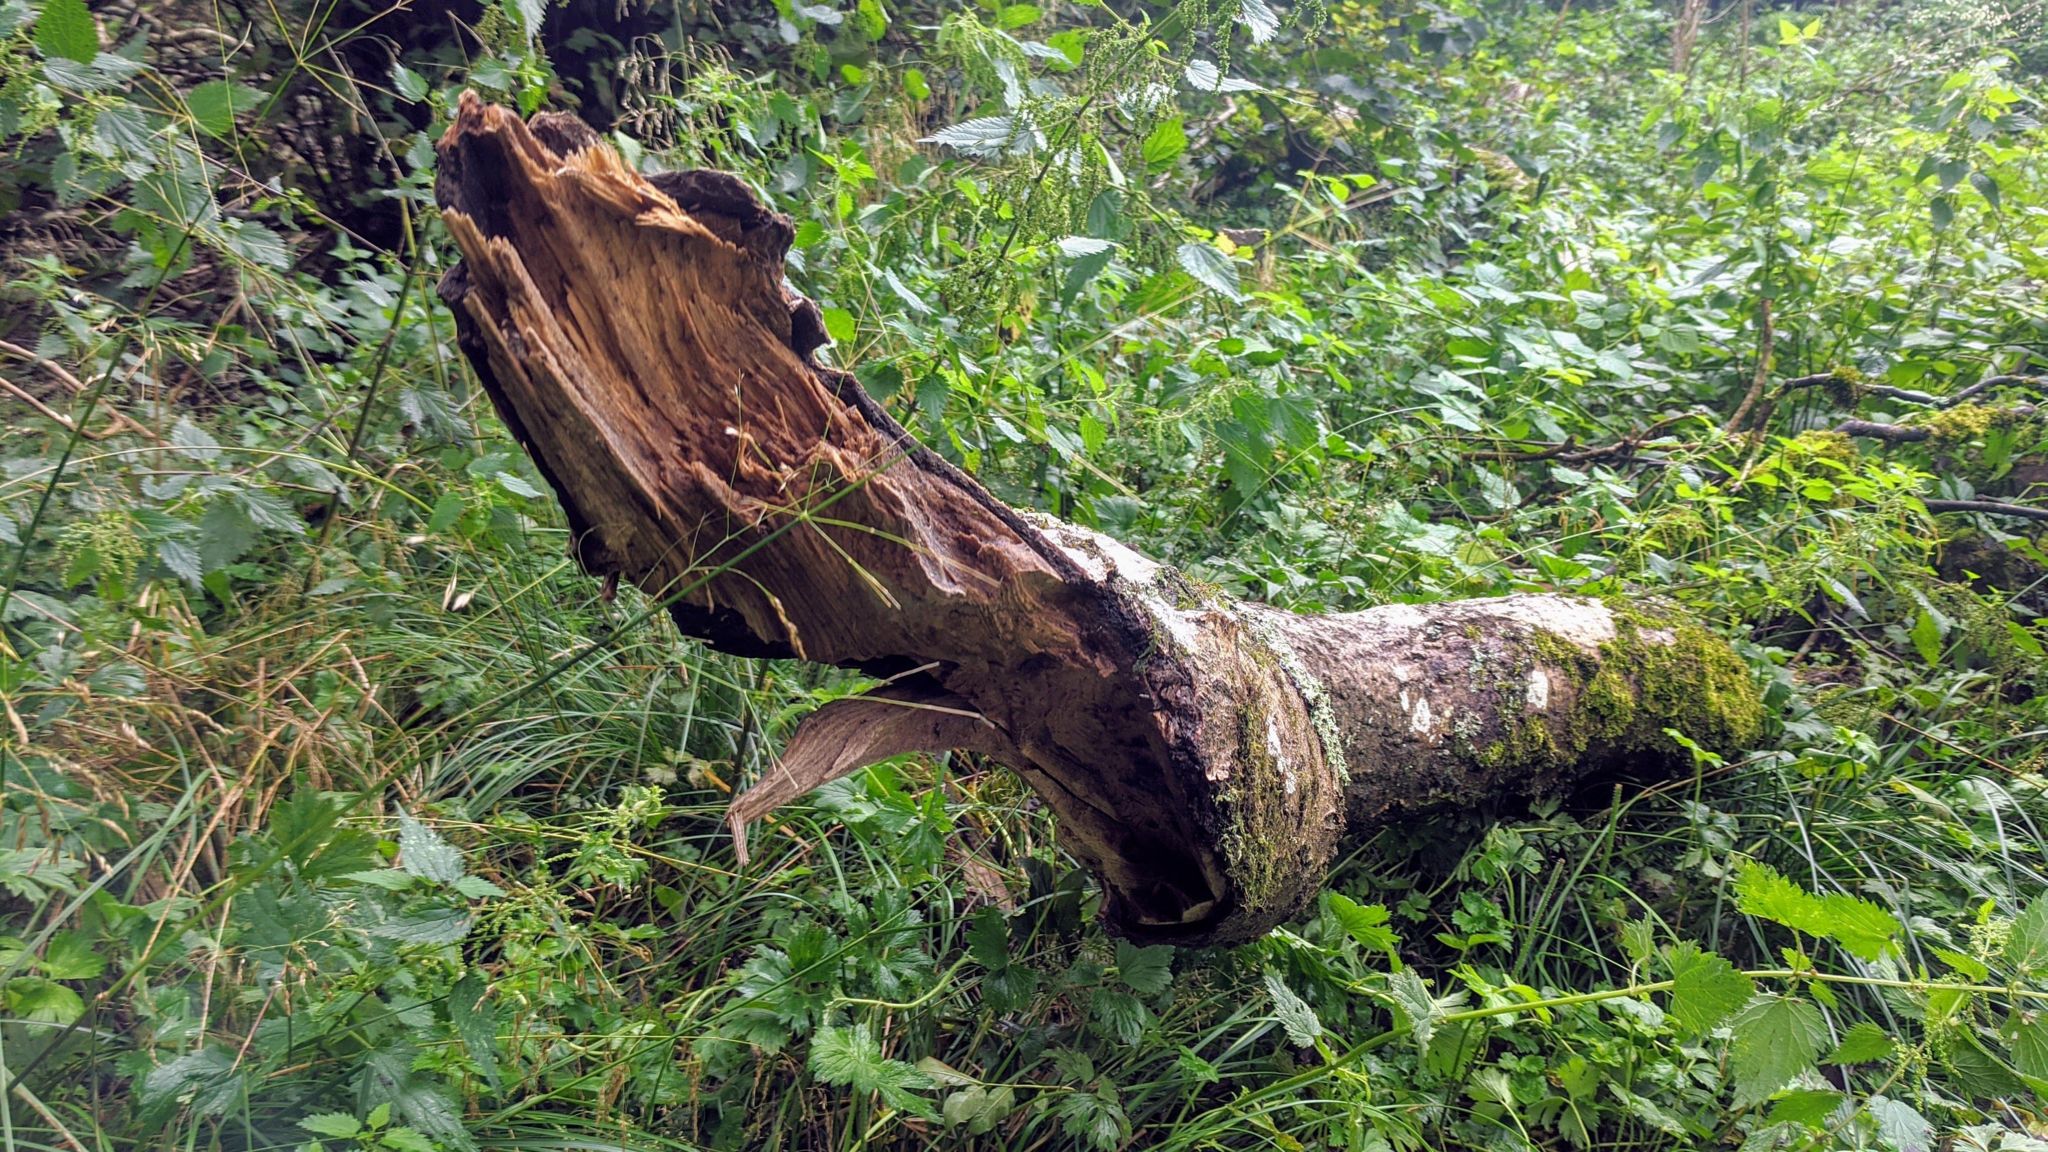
pixel 1206 757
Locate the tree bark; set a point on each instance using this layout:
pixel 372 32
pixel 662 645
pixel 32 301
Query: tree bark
pixel 1205 757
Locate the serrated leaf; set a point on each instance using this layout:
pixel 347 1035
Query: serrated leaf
pixel 69 956
pixel 1296 1018
pixel 2026 950
pixel 1073 246
pixel 987 136
pixel 1810 1107
pixel 422 852
pixel 426 926
pixel 1211 267
pixel 43 1001
pixel 527 14
pixel 478 888
pixel 988 938
pixel 1705 988
pixel 1259 19
pixel 849 1056
pixel 2030 1048
pixel 1862 1043
pixel 1146 971
pixel 339 1125
pixel 1205 76
pixel 1120 1014
pixel 1167 140
pixel 1776 1038
pixel 1863 928
pixel 408 83
pixel 1899 1125
pixel 215 104
pixel 389 879
pixel 476 1022
pixel 1412 996
pixel 66 31
pixel 1365 923
pixel 193 441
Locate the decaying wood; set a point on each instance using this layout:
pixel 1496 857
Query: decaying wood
pixel 1205 757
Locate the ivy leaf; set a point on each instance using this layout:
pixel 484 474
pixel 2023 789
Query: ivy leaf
pixel 1146 971
pixel 1861 1044
pixel 1296 1018
pixel 850 1057
pixel 1211 267
pixel 1365 923
pixel 1705 988
pixel 66 31
pixel 1776 1038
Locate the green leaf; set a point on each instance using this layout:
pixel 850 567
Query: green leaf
pixel 1259 19
pixel 1411 996
pixel 1863 928
pixel 840 326
pixel 1210 266
pixel 2026 950
pixel 1987 188
pixel 1861 1044
pixel 470 1011
pixel 850 1057
pixel 215 104
pixel 1296 1018
pixel 70 957
pixel 1776 1038
pixel 2030 1048
pixel 1365 923
pixel 1705 988
pixel 528 14
pixel 1926 637
pixel 989 136
pixel 339 1125
pixel 478 888
pixel 1120 1014
pixel 1146 971
pixel 1900 1126
pixel 1167 140
pixel 45 1001
pixel 408 83
pixel 422 852
pixel 66 31
pixel 1811 1107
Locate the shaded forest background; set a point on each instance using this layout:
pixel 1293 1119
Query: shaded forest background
pixel 341 809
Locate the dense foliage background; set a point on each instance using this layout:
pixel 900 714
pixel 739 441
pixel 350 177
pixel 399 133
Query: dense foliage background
pixel 341 810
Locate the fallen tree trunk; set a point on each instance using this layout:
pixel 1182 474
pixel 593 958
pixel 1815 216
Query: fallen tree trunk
pixel 1205 757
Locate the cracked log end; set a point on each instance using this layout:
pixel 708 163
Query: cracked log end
pixel 1205 758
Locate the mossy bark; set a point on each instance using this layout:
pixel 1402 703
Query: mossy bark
pixel 1205 757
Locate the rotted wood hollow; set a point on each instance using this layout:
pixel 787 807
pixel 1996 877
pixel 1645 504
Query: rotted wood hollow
pixel 1205 757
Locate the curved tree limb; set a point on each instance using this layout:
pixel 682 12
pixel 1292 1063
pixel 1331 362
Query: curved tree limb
pixel 1204 757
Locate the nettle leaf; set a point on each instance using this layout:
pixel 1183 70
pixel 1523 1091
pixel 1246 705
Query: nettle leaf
pixel 1260 19
pixel 1144 970
pixel 1900 1126
pixel 339 1125
pixel 1776 1038
pixel 1296 1018
pixel 1210 266
pixel 215 104
pixel 1365 923
pixel 1205 76
pixel 851 1058
pixel 988 136
pixel 1412 997
pixel 470 1011
pixel 1861 1044
pixel 2030 1048
pixel 2026 950
pixel 528 14
pixel 1863 928
pixel 1705 988
pixel 1811 1107
pixel 422 852
pixel 66 31
pixel 1167 140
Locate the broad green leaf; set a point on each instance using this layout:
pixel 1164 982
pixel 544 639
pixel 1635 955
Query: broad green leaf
pixel 1861 1044
pixel 1899 1126
pixel 1926 637
pixel 1146 971
pixel 474 1019
pixel 989 136
pixel 215 104
pixel 1167 140
pixel 66 31
pixel 1210 266
pixel 840 326
pixel 69 956
pixel 1412 997
pixel 1863 928
pixel 408 83
pixel 2030 1048
pixel 1706 988
pixel 44 1001
pixel 849 1056
pixel 1775 1039
pixel 1811 1107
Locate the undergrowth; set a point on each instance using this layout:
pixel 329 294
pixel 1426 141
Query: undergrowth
pixel 342 810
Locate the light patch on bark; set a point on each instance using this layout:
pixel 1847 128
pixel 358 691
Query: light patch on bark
pixel 1538 695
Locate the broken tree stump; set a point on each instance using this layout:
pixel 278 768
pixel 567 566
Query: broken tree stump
pixel 1205 757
